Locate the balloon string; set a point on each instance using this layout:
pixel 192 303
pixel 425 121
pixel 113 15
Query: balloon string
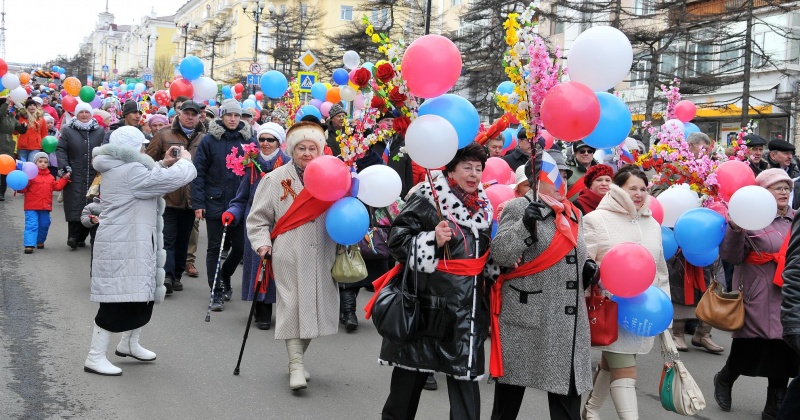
pixel 458 228
pixel 438 209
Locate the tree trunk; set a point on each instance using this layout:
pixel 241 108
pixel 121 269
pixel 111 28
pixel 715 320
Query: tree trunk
pixel 748 58
pixel 649 103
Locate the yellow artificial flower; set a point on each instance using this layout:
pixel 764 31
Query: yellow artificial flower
pixel 376 38
pixel 370 30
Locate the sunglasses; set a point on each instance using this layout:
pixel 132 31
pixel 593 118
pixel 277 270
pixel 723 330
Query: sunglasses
pixel 585 152
pixel 269 139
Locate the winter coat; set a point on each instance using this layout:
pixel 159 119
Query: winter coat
pixel 757 169
pixel 454 317
pixel 216 185
pixel 8 125
pixel 160 144
pixel 544 326
pixel 790 308
pixel 615 221
pixel 516 158
pixel 330 141
pixel 92 209
pixel 75 151
pixel 240 208
pixel 793 170
pixel 302 258
pixel 402 165
pixel 113 127
pixel 578 171
pixel 31 139
pixel 39 191
pixel 129 255
pixel 762 298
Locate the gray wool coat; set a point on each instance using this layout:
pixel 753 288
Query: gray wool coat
pixel 544 326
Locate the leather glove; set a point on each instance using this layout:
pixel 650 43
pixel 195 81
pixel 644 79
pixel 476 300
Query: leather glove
pixel 68 169
pixel 227 218
pixel 793 340
pixel 533 213
pixel 591 273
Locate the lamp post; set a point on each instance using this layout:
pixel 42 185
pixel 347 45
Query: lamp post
pixel 185 29
pixel 254 10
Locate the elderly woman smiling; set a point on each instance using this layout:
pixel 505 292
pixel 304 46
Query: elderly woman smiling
pixel 598 183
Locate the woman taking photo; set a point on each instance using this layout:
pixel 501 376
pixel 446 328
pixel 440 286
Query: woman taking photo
pixel 623 215
pixel 758 348
pixel 288 224
pixel 454 313
pixel 598 183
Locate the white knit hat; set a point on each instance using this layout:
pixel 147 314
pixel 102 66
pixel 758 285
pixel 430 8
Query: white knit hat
pixel 273 129
pixel 83 106
pixel 127 136
pixel 304 130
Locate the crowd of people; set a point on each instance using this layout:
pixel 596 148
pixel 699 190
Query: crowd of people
pixel 139 183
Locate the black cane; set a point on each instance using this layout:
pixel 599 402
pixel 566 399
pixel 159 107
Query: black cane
pixel 263 270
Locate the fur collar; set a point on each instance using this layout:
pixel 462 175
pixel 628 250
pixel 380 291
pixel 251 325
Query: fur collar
pixel 618 201
pixel 452 206
pixel 216 129
pixel 124 154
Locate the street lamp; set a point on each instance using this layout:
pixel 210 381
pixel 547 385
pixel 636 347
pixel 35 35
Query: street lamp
pixel 150 36
pixel 255 11
pixel 185 29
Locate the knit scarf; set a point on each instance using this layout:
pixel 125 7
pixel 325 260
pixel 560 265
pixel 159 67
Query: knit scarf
pixel 85 126
pixel 589 200
pixel 300 171
pixel 472 202
pixel 187 131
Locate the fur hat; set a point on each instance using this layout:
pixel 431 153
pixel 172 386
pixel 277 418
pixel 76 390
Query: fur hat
pixel 773 176
pixel 336 109
pixel 40 155
pixel 595 172
pixel 127 136
pixel 273 129
pixel 230 106
pixel 83 106
pixel 304 131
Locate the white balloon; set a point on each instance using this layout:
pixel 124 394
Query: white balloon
pixel 674 126
pixel 600 58
pixel 752 207
pixel 253 97
pixel 347 93
pixel 139 88
pixel 205 88
pixel 18 95
pixel 62 77
pixel 431 141
pixel 676 201
pixel 351 59
pixel 10 81
pixel 379 186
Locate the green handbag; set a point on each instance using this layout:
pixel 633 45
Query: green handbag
pixel 349 266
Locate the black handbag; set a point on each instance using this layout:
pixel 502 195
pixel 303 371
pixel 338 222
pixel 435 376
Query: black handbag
pixel 375 245
pixel 396 310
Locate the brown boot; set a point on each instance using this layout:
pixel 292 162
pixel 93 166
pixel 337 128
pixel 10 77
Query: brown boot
pixel 702 338
pixel 678 334
pixel 190 270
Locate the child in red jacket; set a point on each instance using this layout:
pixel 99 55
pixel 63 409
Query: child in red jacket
pixel 39 203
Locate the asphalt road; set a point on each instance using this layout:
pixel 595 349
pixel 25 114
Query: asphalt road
pixel 45 330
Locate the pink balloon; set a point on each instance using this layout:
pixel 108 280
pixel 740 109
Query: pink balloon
pixel 325 108
pixel 549 140
pixel 570 111
pixel 627 270
pixel 685 110
pixel 431 66
pixel 499 194
pixel 496 169
pixel 657 209
pixel 352 74
pixel 327 178
pixel 733 175
pixel 719 208
pixel 316 103
pixel 358 103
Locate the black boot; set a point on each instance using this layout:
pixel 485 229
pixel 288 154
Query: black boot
pixel 722 392
pixel 347 308
pixel 774 401
pixel 263 315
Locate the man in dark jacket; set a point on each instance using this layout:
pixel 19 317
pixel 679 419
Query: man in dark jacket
pixel 522 153
pixel 755 153
pixel 131 114
pixel 582 159
pixel 790 318
pixel 335 123
pixel 214 188
pixel 781 155
pixel 8 124
pixel 186 132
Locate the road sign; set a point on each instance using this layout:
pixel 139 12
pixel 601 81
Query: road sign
pixel 105 68
pixel 253 79
pixel 116 71
pixel 307 79
pixel 308 60
pixel 147 77
pixel 148 70
pixel 255 68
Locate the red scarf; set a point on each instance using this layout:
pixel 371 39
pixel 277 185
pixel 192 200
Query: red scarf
pixel 588 200
pixel 577 187
pixel 693 278
pixel 778 257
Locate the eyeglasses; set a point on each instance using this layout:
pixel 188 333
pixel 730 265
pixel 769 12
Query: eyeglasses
pixel 782 190
pixel 585 152
pixel 269 139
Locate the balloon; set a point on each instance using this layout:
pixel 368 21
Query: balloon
pixel 318 91
pixel 549 140
pixel 347 93
pixel 685 110
pixel 18 95
pixel 369 66
pixel 509 134
pixel 340 77
pixel 431 66
pixel 359 101
pixel 496 169
pixel 10 81
pixel 333 95
pixel 668 242
pixel 226 92
pixel 162 97
pixel 627 270
pixel 62 76
pixel 689 128
pixel 505 88
pixel 308 110
pixel 351 60
pixel 248 103
pixel 431 141
pixel 24 78
pixel 7 164
pixel 494 228
pixel 657 209
pixel 327 178
pixel 614 125
pixel 72 86
pixel 753 208
pixel 96 102
pixel 316 103
pixel 674 127
pixel 17 180
pixel 86 94
pixel 646 315
pixel 733 175
pixel 138 88
pixel 274 84
pixel 238 88
pixel 347 221
pixel 3 67
pixel 600 58
pixel 69 103
pixel 499 194
pixel 191 68
pixel 325 108
pixel 720 208
pixel 379 186
pixel 702 260
pixel 205 88
pixel 259 96
pixel 570 111
pixel 459 112
pixel 49 144
pixel 52 85
pixel 181 87
pixel 676 201
pixel 700 230
pixel 30 169
pixel 511 146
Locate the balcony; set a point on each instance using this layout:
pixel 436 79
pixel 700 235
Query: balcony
pixel 707 9
pixel 226 6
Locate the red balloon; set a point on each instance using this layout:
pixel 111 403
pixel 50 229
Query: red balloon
pixel 627 270
pixel 731 176
pixel 499 194
pixel 657 209
pixel 431 66
pixel 549 140
pixel 69 103
pixel 120 81
pixel 181 87
pixel 685 110
pixel 237 96
pixel 28 89
pixel 52 85
pixel 570 111
pixel 259 96
pixel 496 169
pixel 327 178
pixel 3 67
pixel 238 88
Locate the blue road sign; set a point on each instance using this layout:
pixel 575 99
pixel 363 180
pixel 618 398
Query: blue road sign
pixel 307 79
pixel 253 79
pixel 105 69
pixel 147 77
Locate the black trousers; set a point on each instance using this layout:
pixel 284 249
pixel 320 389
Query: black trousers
pixel 3 185
pixel 178 224
pixel 236 236
pixel 78 231
pixel 406 388
pixel 508 400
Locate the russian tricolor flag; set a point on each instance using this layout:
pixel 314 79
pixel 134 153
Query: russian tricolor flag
pixel 550 172
pixel 625 155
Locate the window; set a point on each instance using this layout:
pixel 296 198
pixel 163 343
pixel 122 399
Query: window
pixel 455 2
pixel 730 56
pixel 669 63
pixel 303 10
pixel 642 7
pixel 641 69
pixel 586 21
pixel 699 59
pixel 346 13
pixel 380 18
pixel 556 24
pixel 283 9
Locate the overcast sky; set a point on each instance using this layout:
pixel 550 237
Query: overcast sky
pixel 39 30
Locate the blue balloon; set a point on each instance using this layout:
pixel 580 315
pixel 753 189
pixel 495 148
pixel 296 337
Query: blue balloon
pixel 308 110
pixel 318 91
pixel 212 102
pixel 274 84
pixel 494 228
pixel 2 88
pixel 698 231
pixel 191 68
pixel 702 260
pixel 248 103
pixel 646 315
pixel 669 242
pixel 226 92
pixel 54 68
pixel 347 221
pixel 615 123
pixel 17 180
pixel 171 112
pixel 131 86
pixel 505 88
pixel 459 112
pixel 689 128
pixel 369 66
pixel 341 77
pixel 509 134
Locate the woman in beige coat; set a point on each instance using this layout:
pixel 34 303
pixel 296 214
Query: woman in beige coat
pixel 623 216
pixel 302 257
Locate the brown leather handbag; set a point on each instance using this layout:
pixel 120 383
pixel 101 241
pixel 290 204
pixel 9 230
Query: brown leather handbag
pixel 720 309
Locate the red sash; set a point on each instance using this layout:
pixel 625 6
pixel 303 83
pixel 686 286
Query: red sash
pixel 577 187
pixel 765 257
pixel 693 278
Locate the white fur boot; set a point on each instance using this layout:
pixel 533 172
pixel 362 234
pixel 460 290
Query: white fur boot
pixel 96 361
pixel 623 393
pixel 129 346
pixel 602 383
pixel 297 380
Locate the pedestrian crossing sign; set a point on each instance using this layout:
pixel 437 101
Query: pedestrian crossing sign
pixel 307 79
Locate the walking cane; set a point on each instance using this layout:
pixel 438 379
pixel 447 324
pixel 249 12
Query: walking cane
pixel 216 273
pixel 261 277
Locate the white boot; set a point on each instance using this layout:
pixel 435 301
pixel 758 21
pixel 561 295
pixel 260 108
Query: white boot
pixel 623 393
pixel 306 342
pixel 129 346
pixel 297 380
pixel 602 383
pixel 96 361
